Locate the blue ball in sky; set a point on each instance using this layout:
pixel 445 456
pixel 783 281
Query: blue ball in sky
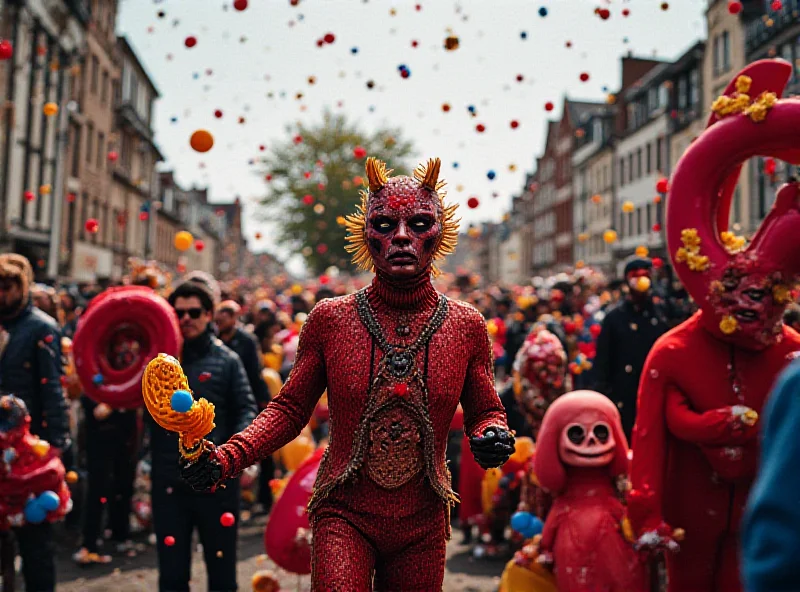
pixel 523 35
pixel 471 108
pixel 543 11
pixel 455 165
pixel 491 175
pixel 173 119
pixel 402 67
pixel 354 50
pixel 181 401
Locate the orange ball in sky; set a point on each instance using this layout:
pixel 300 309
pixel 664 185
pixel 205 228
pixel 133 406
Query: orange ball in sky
pixel 201 141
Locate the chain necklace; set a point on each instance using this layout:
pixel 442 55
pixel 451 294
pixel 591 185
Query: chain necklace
pixel 399 359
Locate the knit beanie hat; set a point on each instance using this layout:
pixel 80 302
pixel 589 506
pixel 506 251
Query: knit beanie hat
pixel 18 269
pixel 200 284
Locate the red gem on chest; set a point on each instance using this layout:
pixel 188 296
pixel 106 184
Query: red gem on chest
pixel 204 376
pixel 401 389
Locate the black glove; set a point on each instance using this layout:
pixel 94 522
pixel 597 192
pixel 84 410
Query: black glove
pixel 202 473
pixel 493 448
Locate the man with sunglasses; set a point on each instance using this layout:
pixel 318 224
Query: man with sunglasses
pixel 31 369
pixel 217 374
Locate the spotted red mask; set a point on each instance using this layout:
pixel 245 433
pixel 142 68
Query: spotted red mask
pixel 741 288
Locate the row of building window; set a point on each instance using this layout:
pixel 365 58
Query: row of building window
pixel 638 222
pixel 640 163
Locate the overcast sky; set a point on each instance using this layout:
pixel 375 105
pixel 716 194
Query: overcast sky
pixel 242 57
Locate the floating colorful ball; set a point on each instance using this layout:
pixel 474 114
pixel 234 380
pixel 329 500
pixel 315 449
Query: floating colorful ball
pixel 183 240
pixel 201 141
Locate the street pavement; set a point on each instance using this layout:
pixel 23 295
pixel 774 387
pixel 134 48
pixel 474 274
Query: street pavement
pixel 131 574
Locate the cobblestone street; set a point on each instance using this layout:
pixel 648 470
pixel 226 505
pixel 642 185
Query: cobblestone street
pixel 126 574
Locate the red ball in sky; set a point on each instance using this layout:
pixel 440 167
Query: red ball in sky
pixel 320 42
pixel 71 197
pixel 29 196
pixel 6 49
pixel 514 124
pixel 218 113
pixel 113 156
pixel 626 11
pixel 190 41
pixel 144 216
pixel 480 128
pixel 520 77
pixel 329 38
pixel 776 5
pixel 658 262
pixel 603 13
pixel 268 178
pixel 169 540
pixel 735 6
pixel 308 199
pixel 240 4
pixel 298 139
pixel 662 185
pixel 322 248
pixel 227 519
pixel 359 152
pixel 414 43
pixel 199 245
pixel 568 44
pixel 548 106
pixel 92 225
pixel 307 174
pixel 473 203
pixel 656 227
pixel 769 166
pixel 262 147
pixel 584 76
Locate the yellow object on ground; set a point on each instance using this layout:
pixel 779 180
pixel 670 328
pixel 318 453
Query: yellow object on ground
pixel 491 481
pixel 517 578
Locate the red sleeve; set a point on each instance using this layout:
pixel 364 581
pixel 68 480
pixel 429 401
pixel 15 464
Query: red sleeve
pixel 715 427
pixel 287 414
pixel 550 529
pixel 649 444
pixel 482 407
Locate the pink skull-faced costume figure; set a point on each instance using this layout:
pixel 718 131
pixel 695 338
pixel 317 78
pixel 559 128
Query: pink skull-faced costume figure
pixel 580 453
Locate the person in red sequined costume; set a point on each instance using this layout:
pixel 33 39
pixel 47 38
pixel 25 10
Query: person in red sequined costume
pixel 396 359
pixel 705 382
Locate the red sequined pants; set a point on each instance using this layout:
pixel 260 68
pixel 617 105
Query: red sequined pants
pixel 403 553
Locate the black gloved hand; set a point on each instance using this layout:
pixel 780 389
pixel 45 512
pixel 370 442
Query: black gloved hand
pixel 493 448
pixel 202 473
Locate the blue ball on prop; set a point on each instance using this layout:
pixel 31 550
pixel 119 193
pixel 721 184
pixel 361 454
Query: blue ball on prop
pixel 181 401
pixel 98 379
pixel 34 512
pixel 49 500
pixel 526 524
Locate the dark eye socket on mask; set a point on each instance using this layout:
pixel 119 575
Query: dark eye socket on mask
pixel 755 294
pixel 384 224
pixel 601 432
pixel 576 434
pixel 421 223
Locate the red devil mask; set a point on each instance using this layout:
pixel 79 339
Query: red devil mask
pixel 741 289
pixel 581 430
pixel 403 225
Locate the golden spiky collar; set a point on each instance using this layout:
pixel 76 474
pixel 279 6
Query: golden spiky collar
pixel 426 175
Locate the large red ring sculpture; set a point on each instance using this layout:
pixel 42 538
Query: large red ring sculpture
pixel 121 331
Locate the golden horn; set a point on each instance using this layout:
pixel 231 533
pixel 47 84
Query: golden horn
pixel 376 173
pixel 428 175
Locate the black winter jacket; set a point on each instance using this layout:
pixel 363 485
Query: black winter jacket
pixel 247 348
pixel 31 368
pixel 216 374
pixel 625 340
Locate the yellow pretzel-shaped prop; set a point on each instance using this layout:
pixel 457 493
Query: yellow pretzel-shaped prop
pixel 162 377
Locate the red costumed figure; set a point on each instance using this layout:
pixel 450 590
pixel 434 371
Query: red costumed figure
pixel 705 382
pixel 32 486
pixel 580 453
pixel 396 359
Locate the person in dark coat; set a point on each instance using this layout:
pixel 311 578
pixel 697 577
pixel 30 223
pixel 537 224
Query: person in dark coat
pixel 628 332
pixel 248 349
pixel 31 369
pixel 215 373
